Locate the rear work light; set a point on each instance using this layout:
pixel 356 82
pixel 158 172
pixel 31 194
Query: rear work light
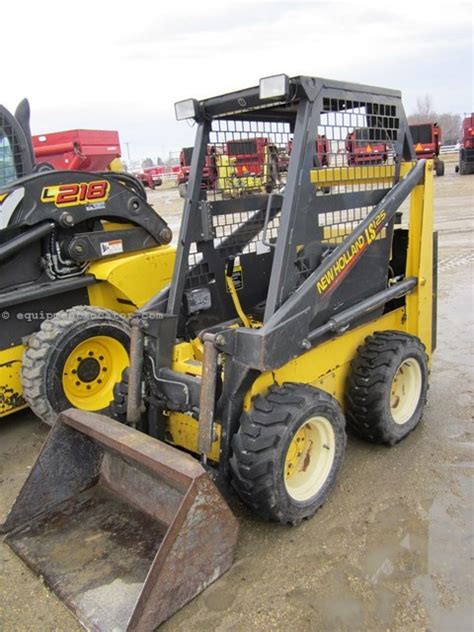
pixel 187 109
pixel 274 87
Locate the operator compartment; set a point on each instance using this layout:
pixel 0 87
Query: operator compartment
pixel 239 258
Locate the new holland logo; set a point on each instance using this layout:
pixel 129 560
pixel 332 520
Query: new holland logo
pixel 334 275
pixel 72 194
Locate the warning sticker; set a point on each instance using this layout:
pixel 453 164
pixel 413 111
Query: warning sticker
pixel 113 247
pixel 238 278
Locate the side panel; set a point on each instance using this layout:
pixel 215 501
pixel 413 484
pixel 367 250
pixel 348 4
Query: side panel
pixel 327 365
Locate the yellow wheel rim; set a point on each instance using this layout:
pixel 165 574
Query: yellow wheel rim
pixel 309 458
pixel 405 391
pixel 91 371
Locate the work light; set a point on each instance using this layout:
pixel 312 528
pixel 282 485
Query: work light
pixel 186 109
pixel 274 87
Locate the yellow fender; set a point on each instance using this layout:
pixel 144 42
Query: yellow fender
pixel 128 281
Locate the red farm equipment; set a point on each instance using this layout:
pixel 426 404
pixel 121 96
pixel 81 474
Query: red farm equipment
pixel 364 148
pixel 209 170
pixel 248 155
pixel 427 143
pixel 242 160
pixel 323 150
pixel 78 149
pixel 466 149
pixel 150 177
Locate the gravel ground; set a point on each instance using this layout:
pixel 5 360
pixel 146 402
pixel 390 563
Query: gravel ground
pixel 392 548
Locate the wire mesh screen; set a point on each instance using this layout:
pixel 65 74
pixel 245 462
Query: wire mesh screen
pixel 356 134
pixel 242 233
pixel 10 153
pixel 353 134
pixel 244 158
pixel 248 157
pixel 251 158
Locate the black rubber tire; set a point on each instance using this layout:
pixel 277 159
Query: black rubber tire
pixel 260 447
pixel 439 168
pixel 369 385
pixel 48 349
pixel 464 168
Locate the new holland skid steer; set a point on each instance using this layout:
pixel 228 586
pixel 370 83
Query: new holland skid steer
pixel 78 251
pixel 291 314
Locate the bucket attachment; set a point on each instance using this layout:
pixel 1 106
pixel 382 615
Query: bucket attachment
pixel 124 528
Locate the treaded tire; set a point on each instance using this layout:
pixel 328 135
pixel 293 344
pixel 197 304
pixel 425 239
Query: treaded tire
pixel 464 168
pixel 48 348
pixel 260 448
pixel 369 386
pixel 439 168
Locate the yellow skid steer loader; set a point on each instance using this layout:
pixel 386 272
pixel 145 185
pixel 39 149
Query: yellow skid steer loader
pixel 292 314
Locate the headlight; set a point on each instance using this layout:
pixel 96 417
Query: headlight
pixel 186 109
pixel 274 87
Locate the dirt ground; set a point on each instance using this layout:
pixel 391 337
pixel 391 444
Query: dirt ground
pixel 391 550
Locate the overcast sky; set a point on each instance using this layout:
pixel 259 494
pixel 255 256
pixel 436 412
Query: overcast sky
pixel 122 65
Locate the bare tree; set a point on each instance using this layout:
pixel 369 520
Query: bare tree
pixel 425 106
pixel 425 113
pixel 450 127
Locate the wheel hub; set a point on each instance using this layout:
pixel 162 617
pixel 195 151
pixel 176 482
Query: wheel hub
pixel 88 370
pixel 309 458
pixel 405 391
pixel 91 371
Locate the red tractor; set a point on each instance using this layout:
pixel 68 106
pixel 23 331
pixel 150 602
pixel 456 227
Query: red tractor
pixel 78 149
pixel 427 142
pixel 363 149
pixel 466 150
pixel 150 177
